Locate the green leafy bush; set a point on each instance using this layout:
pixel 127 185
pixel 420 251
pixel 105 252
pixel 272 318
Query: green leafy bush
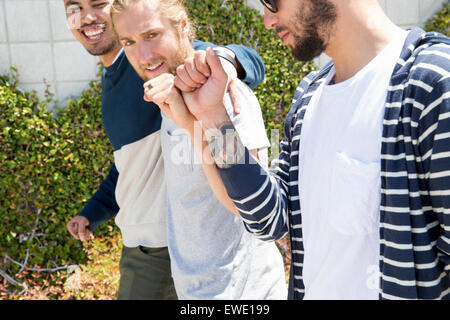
pixel 440 21
pixel 49 167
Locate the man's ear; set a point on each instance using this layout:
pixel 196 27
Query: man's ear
pixel 185 28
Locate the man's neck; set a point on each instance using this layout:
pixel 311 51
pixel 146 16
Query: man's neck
pixel 108 59
pixel 362 32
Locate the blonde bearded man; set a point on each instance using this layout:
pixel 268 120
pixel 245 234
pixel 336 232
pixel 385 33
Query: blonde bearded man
pixel 212 256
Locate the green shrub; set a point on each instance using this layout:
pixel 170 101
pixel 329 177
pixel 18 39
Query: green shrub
pixel 49 167
pixel 440 21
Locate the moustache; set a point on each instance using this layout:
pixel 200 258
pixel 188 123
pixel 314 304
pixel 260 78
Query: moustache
pixel 95 24
pixel 280 29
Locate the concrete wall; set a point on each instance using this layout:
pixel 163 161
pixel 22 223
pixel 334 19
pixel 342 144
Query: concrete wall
pixel 34 36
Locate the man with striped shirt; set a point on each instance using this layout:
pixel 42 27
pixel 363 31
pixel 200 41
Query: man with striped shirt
pixel 362 183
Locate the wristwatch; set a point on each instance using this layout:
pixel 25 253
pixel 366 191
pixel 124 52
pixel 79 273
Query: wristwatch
pixel 223 53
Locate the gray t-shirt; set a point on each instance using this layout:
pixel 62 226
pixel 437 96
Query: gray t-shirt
pixel 212 255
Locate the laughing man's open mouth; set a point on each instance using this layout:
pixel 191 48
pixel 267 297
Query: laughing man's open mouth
pixel 94 32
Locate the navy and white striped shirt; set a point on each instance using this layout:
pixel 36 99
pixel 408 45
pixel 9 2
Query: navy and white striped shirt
pixel 415 176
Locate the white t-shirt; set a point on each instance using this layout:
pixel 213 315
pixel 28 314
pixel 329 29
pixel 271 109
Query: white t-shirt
pixel 212 255
pixel 339 181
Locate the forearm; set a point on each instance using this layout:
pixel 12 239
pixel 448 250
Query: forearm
pixel 97 213
pixel 222 138
pixel 259 198
pixel 102 206
pixel 240 72
pixel 203 152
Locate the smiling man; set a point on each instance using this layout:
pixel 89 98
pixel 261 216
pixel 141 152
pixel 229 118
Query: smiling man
pixel 212 256
pixel 93 28
pixel 133 191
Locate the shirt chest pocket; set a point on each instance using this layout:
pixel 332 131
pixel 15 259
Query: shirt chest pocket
pixel 355 196
pixel 178 151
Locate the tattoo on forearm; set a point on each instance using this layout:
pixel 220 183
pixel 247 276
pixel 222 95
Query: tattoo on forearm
pixel 226 146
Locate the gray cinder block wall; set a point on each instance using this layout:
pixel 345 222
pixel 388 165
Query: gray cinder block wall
pixel 34 36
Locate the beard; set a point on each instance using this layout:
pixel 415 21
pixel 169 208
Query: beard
pixel 172 62
pixel 178 58
pixel 308 48
pixel 107 43
pixel 316 22
pixel 105 49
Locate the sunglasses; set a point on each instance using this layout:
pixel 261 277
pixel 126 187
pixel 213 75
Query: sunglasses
pixel 270 4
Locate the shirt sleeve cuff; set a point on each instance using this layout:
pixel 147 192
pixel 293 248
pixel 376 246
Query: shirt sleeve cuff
pixel 243 180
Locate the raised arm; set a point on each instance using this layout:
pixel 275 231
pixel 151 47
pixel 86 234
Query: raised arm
pixel 261 197
pixel 169 99
pixel 203 152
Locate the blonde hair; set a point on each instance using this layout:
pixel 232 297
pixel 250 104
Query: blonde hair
pixel 173 10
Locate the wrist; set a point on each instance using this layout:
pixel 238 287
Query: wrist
pixel 190 129
pixel 240 72
pixel 225 144
pixel 213 120
pixel 226 147
pixel 227 54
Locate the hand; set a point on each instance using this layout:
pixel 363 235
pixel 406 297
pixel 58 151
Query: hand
pixel 164 93
pixel 195 72
pixel 78 227
pixel 207 102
